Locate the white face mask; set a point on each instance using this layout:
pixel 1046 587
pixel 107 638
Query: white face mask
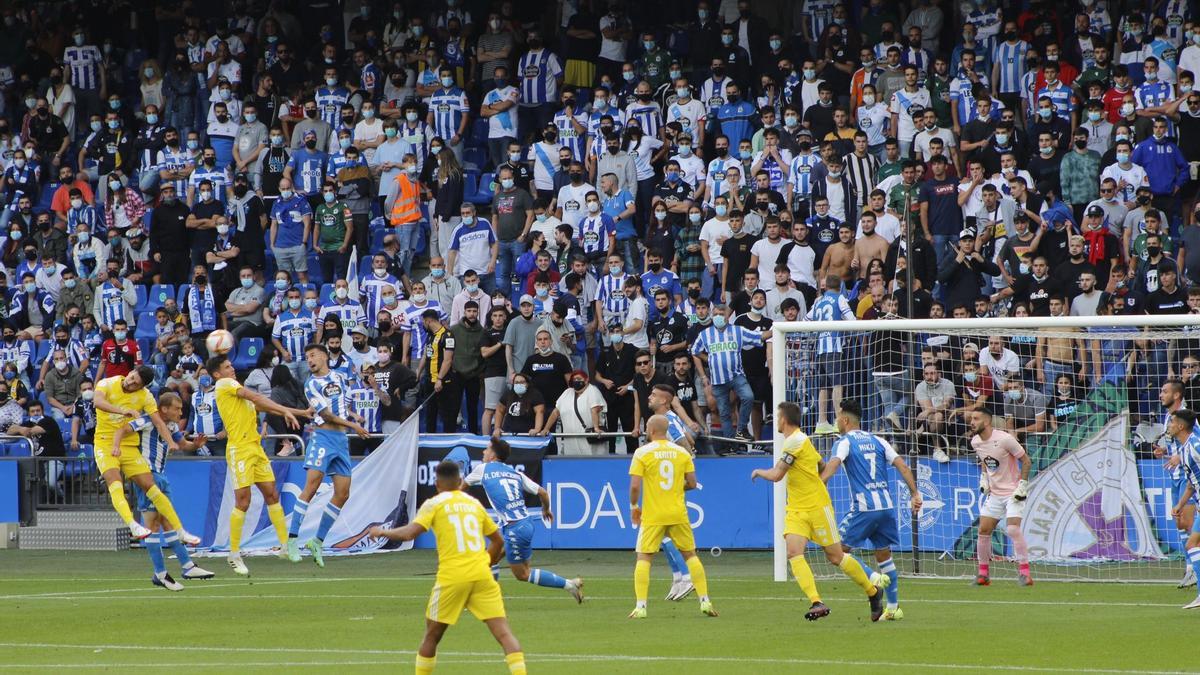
pixel 341 293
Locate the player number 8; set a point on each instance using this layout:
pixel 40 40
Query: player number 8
pixel 667 471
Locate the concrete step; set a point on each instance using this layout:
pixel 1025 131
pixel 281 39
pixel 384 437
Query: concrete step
pixel 74 538
pixel 106 518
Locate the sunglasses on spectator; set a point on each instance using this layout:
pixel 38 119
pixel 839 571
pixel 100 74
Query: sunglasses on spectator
pixel 643 363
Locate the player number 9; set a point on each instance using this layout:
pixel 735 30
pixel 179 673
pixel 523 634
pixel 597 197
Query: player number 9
pixel 667 471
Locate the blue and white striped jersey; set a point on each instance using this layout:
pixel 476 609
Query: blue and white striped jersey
pixel 175 160
pixel 568 136
pixel 349 314
pixel 712 96
pixel 724 348
pixel 154 448
pixel 365 403
pixel 1063 98
pixel 416 139
pixel 372 287
pixel 866 458
pixel 220 179
pixel 328 393
pixel 1154 94
pixel 831 306
pixel 205 417
pixel 112 303
pixel 412 324
pixel 84 63
pixel 595 139
pixel 1190 454
pixel 505 488
pixel 611 294
pixel 538 70
pixel 594 232
pixel 647 115
pixel 448 106
pixel 329 103
pixel 294 331
pixel 800 174
pixel 676 431
pixel 715 178
pixel 1011 59
pixel 818 14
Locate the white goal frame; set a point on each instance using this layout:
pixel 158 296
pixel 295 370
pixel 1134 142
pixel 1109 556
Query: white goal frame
pixel 780 330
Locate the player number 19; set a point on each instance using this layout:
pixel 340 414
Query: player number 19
pixel 467 533
pixel 667 471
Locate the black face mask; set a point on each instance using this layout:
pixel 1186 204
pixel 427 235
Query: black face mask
pixel 1010 35
pixel 173 142
pixel 576 177
pixel 311 145
pixel 1143 200
pixel 310 114
pixel 694 293
pixel 239 191
pixel 1080 144
pixel 656 267
pixel 201 279
pixel 718 72
pixel 222 118
pixel 578 385
pixel 1153 251
pixel 31 255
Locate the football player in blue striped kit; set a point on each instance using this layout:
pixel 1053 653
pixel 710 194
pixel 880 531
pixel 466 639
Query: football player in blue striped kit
pixel 154 449
pixel 327 451
pixel 1181 427
pixel 506 488
pixel 871 522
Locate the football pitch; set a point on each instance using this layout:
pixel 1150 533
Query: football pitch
pixel 72 612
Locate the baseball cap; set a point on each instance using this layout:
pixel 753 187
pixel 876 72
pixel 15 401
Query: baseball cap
pixel 359 330
pixel 526 299
pixel 1094 211
pixel 970 346
pixel 967 233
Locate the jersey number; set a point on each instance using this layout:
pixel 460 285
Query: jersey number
pixel 512 489
pixel 467 533
pixel 667 471
pixel 870 457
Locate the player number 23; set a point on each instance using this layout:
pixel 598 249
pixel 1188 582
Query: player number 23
pixel 467 533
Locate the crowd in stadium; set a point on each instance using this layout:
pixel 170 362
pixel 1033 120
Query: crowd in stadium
pixel 534 212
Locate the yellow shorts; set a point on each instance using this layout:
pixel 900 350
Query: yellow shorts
pixel 650 537
pixel 131 463
pixel 249 466
pixel 819 526
pixel 482 598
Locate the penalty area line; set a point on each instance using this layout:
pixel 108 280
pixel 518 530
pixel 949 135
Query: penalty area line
pixel 630 658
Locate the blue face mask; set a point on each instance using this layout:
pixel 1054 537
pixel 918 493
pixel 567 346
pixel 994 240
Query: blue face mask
pixel 294 303
pixel 672 176
pixel 467 220
pixel 1013 394
pixel 721 210
pixel 281 285
pixel 205 381
pixel 438 273
pixel 310 303
pixel 718 320
pixel 192 144
pixel 119 335
pixel 151 119
pixel 617 338
pixel 472 288
pixel 745 154
pixel 247 283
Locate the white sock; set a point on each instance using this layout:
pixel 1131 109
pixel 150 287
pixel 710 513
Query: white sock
pixel 892 607
pixel 686 578
pixel 641 604
pixel 161 575
pixel 676 577
pixel 704 598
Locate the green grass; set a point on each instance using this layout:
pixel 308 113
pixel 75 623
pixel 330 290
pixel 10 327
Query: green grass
pixel 78 611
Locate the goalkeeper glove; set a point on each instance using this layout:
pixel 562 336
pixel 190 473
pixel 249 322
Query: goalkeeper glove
pixel 984 487
pixel 1022 491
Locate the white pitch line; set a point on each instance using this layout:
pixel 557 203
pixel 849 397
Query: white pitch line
pixel 606 657
pixel 77 594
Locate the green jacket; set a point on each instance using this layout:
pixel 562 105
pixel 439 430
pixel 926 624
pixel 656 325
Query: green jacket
pixel 468 360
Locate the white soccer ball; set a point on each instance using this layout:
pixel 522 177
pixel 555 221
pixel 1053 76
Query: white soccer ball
pixel 219 342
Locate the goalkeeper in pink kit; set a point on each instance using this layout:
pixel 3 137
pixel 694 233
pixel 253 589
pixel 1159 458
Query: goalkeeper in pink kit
pixel 1003 482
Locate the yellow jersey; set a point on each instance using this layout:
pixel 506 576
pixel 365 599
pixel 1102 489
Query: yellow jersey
pixel 805 489
pixel 662 466
pixel 107 424
pixel 238 415
pixel 461 526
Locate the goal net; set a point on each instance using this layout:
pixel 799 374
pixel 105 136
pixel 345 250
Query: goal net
pixel 1080 393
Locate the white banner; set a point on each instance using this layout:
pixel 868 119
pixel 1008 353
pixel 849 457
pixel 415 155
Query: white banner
pixel 383 492
pixel 1088 506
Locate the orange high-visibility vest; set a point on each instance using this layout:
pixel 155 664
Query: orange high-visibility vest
pixel 407 207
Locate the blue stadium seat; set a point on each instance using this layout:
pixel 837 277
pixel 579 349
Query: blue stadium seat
pixel 474 159
pixel 483 193
pixel 181 295
pixel 42 350
pixel 326 294
pixel 248 352
pixel 143 298
pixel 146 218
pixel 305 287
pixel 377 239
pixel 470 187
pixel 145 326
pixel 479 133
pixel 159 294
pixel 47 196
pixel 146 345
pixel 314 269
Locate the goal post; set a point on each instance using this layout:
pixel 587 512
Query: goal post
pixel 1100 500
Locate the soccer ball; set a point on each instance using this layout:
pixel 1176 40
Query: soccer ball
pixel 219 342
pixel 880 580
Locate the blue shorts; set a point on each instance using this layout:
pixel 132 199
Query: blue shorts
pixel 830 370
pixel 328 452
pixel 143 502
pixel 518 541
pixel 870 529
pixel 1178 485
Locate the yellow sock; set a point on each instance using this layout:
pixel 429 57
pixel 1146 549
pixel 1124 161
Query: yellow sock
pixel 425 664
pixel 164 507
pixel 699 578
pixel 237 520
pixel 852 569
pixel 116 492
pixel 641 580
pixel 279 520
pixel 516 663
pixel 804 577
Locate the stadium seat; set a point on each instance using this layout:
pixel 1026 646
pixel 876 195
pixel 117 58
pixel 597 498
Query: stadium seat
pixel 483 193
pixel 47 196
pixel 145 326
pixel 42 351
pixel 479 133
pixel 146 345
pixel 248 352
pixel 159 294
pixel 470 187
pixel 474 159
pixel 304 288
pixel 314 269
pixel 143 298
pixel 181 295
pixel 326 294
pixel 377 238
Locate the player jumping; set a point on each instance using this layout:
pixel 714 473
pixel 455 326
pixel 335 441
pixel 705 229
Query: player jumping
pixel 660 399
pixel 810 514
pixel 1181 427
pixel 120 399
pixel 1171 397
pixel 506 488
pixel 871 523
pixel 238 407
pixel 464 577
pixel 327 452
pixel 1003 481
pixel 666 470
pixel 154 450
